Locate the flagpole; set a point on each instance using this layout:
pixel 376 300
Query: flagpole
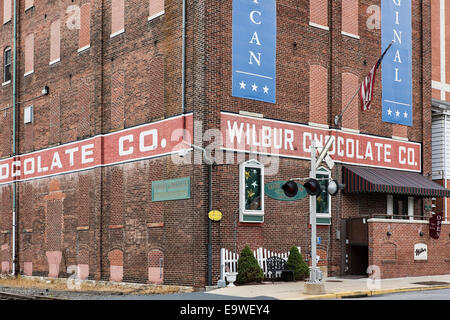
pixel 339 117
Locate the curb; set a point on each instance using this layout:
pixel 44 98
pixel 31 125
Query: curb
pixel 369 293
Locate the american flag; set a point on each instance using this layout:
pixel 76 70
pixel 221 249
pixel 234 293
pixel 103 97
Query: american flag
pixel 366 90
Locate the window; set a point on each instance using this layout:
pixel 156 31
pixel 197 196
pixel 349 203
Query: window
pixel 7 65
pixel 28 114
pixel 29 4
pixel 318 95
pixel 117 18
pixel 350 116
pixel 156 8
pixel 400 206
pixel 350 18
pixel 85 27
pixel 251 191
pixel 29 54
pixel 54 41
pixel 7 11
pixel 318 14
pixel 323 200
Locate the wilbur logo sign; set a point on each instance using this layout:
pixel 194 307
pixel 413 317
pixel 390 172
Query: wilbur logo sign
pixel 254 49
pixel 397 64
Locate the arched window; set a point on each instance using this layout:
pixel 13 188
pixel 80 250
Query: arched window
pixel 318 95
pixel 7 65
pixel 323 200
pixel 251 191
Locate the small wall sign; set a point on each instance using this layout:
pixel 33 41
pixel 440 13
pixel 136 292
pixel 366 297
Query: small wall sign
pixel 435 225
pixel 215 215
pixel 274 191
pixel 420 252
pixel 173 189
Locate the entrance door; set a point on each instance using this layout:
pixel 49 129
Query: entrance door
pixel 357 250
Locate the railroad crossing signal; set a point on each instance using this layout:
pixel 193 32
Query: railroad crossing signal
pixel 312 187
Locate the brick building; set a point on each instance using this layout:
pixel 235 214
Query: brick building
pixel 96 175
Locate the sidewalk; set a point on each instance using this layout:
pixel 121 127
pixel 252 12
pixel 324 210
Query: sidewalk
pixel 336 287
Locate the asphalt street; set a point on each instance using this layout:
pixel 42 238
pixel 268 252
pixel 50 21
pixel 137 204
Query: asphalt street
pixel 443 294
pixel 198 296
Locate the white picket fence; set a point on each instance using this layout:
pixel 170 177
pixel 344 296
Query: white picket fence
pixel 229 260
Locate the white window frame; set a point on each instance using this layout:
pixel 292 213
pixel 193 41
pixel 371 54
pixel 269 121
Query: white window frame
pixel 323 171
pixel 28 114
pixel 242 211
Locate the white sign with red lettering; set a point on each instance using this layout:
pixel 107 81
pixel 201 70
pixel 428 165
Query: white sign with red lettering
pixel 287 139
pixel 141 142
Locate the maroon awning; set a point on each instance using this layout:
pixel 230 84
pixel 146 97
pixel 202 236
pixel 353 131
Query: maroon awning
pixel 369 179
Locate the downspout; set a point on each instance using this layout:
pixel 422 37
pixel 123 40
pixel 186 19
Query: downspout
pixel 210 167
pixel 445 164
pixel 14 209
pixel 183 60
pixel 102 130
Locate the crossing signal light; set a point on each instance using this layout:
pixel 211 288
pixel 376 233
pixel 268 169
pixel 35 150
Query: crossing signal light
pixel 313 187
pixel 290 189
pixel 334 187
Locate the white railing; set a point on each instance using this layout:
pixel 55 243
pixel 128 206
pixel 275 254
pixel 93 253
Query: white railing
pixel 229 260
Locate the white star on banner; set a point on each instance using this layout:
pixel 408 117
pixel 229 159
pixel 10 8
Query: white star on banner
pixel 397 113
pixel 242 84
pixel 266 89
pixel 405 114
pixel 254 87
pixel 389 111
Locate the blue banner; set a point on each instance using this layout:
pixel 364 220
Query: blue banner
pixel 254 49
pixel 397 64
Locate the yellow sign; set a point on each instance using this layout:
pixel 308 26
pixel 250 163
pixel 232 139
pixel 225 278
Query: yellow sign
pixel 215 215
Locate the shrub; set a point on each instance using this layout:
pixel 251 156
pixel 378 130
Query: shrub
pixel 295 263
pixel 248 268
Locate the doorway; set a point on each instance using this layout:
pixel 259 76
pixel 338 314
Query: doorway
pixel 357 249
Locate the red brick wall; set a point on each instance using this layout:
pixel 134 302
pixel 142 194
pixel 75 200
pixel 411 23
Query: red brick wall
pixel 135 78
pixel 399 131
pixel 395 254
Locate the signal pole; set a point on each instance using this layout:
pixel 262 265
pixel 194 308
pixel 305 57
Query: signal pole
pixel 314 285
pixel 312 217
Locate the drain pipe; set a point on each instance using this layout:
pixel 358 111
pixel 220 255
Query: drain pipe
pixel 14 208
pixel 183 59
pixel 445 162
